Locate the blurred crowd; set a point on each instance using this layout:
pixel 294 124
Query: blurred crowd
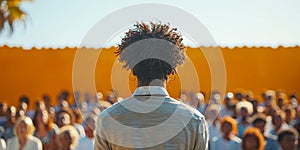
pixel 237 120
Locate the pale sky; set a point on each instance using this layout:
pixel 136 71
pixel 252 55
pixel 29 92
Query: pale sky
pixel 61 23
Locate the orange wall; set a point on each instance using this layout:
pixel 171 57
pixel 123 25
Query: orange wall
pixel 36 72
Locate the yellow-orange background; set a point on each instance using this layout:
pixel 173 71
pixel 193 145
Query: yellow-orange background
pixel 47 71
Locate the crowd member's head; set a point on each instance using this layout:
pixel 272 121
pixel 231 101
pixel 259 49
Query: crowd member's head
pixel 212 112
pixel 24 127
pixel 259 121
pixel 235 112
pixel 281 99
pixel 11 115
pixel 278 119
pixel 290 113
pixel 41 118
pixel 288 139
pixel 20 113
pixel 253 139
pixel 3 109
pixel 67 138
pixel 293 100
pixel 47 100
pixel 64 117
pixel 200 98
pixel 196 99
pixel 269 98
pixel 228 99
pixel 52 114
pixel 64 95
pixel 152 52
pixel 228 126
pixel 254 103
pixel 40 105
pixel 215 97
pixel 244 109
pixel 23 103
pixel 64 104
pixel 249 95
pixel 238 94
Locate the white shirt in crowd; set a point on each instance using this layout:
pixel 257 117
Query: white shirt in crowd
pixel 219 143
pixel 2 144
pixel 32 143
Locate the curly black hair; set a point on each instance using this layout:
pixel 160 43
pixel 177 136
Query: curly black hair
pixel 151 51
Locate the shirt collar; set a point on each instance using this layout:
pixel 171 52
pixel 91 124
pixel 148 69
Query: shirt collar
pixel 150 90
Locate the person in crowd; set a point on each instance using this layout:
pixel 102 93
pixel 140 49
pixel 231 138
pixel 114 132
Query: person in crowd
pixel 259 121
pixel 67 138
pixel 215 98
pixel 111 97
pixel 290 115
pixel 61 98
pixel 139 51
pixel 197 101
pixel 253 139
pixel 40 105
pixel 238 95
pixel 234 110
pixel 3 113
pixel 269 97
pixel 76 100
pixel 46 130
pixel 249 95
pixel 24 103
pixel 256 108
pixel 213 120
pixel 226 109
pixel 88 141
pixel 52 114
pixel 278 122
pixel 244 109
pixel 183 97
pixel 293 100
pixel 24 139
pixel 201 106
pixel 288 139
pixel 228 140
pixel 64 117
pixel 9 126
pixel 78 122
pixel 47 100
pixel 281 99
pixel 2 144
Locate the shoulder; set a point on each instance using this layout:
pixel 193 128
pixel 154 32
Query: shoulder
pixel 12 140
pixel 236 139
pixel 215 139
pixel 188 111
pixel 271 137
pixel 12 143
pixel 34 140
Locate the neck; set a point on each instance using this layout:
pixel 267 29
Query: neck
pixel 156 82
pixel 22 141
pixel 226 137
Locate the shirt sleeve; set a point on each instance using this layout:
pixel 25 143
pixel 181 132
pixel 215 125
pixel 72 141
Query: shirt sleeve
pixel 101 144
pixel 202 136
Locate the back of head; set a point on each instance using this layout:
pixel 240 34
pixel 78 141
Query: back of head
pixel 151 51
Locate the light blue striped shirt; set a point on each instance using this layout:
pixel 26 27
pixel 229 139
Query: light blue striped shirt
pixel 151 119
